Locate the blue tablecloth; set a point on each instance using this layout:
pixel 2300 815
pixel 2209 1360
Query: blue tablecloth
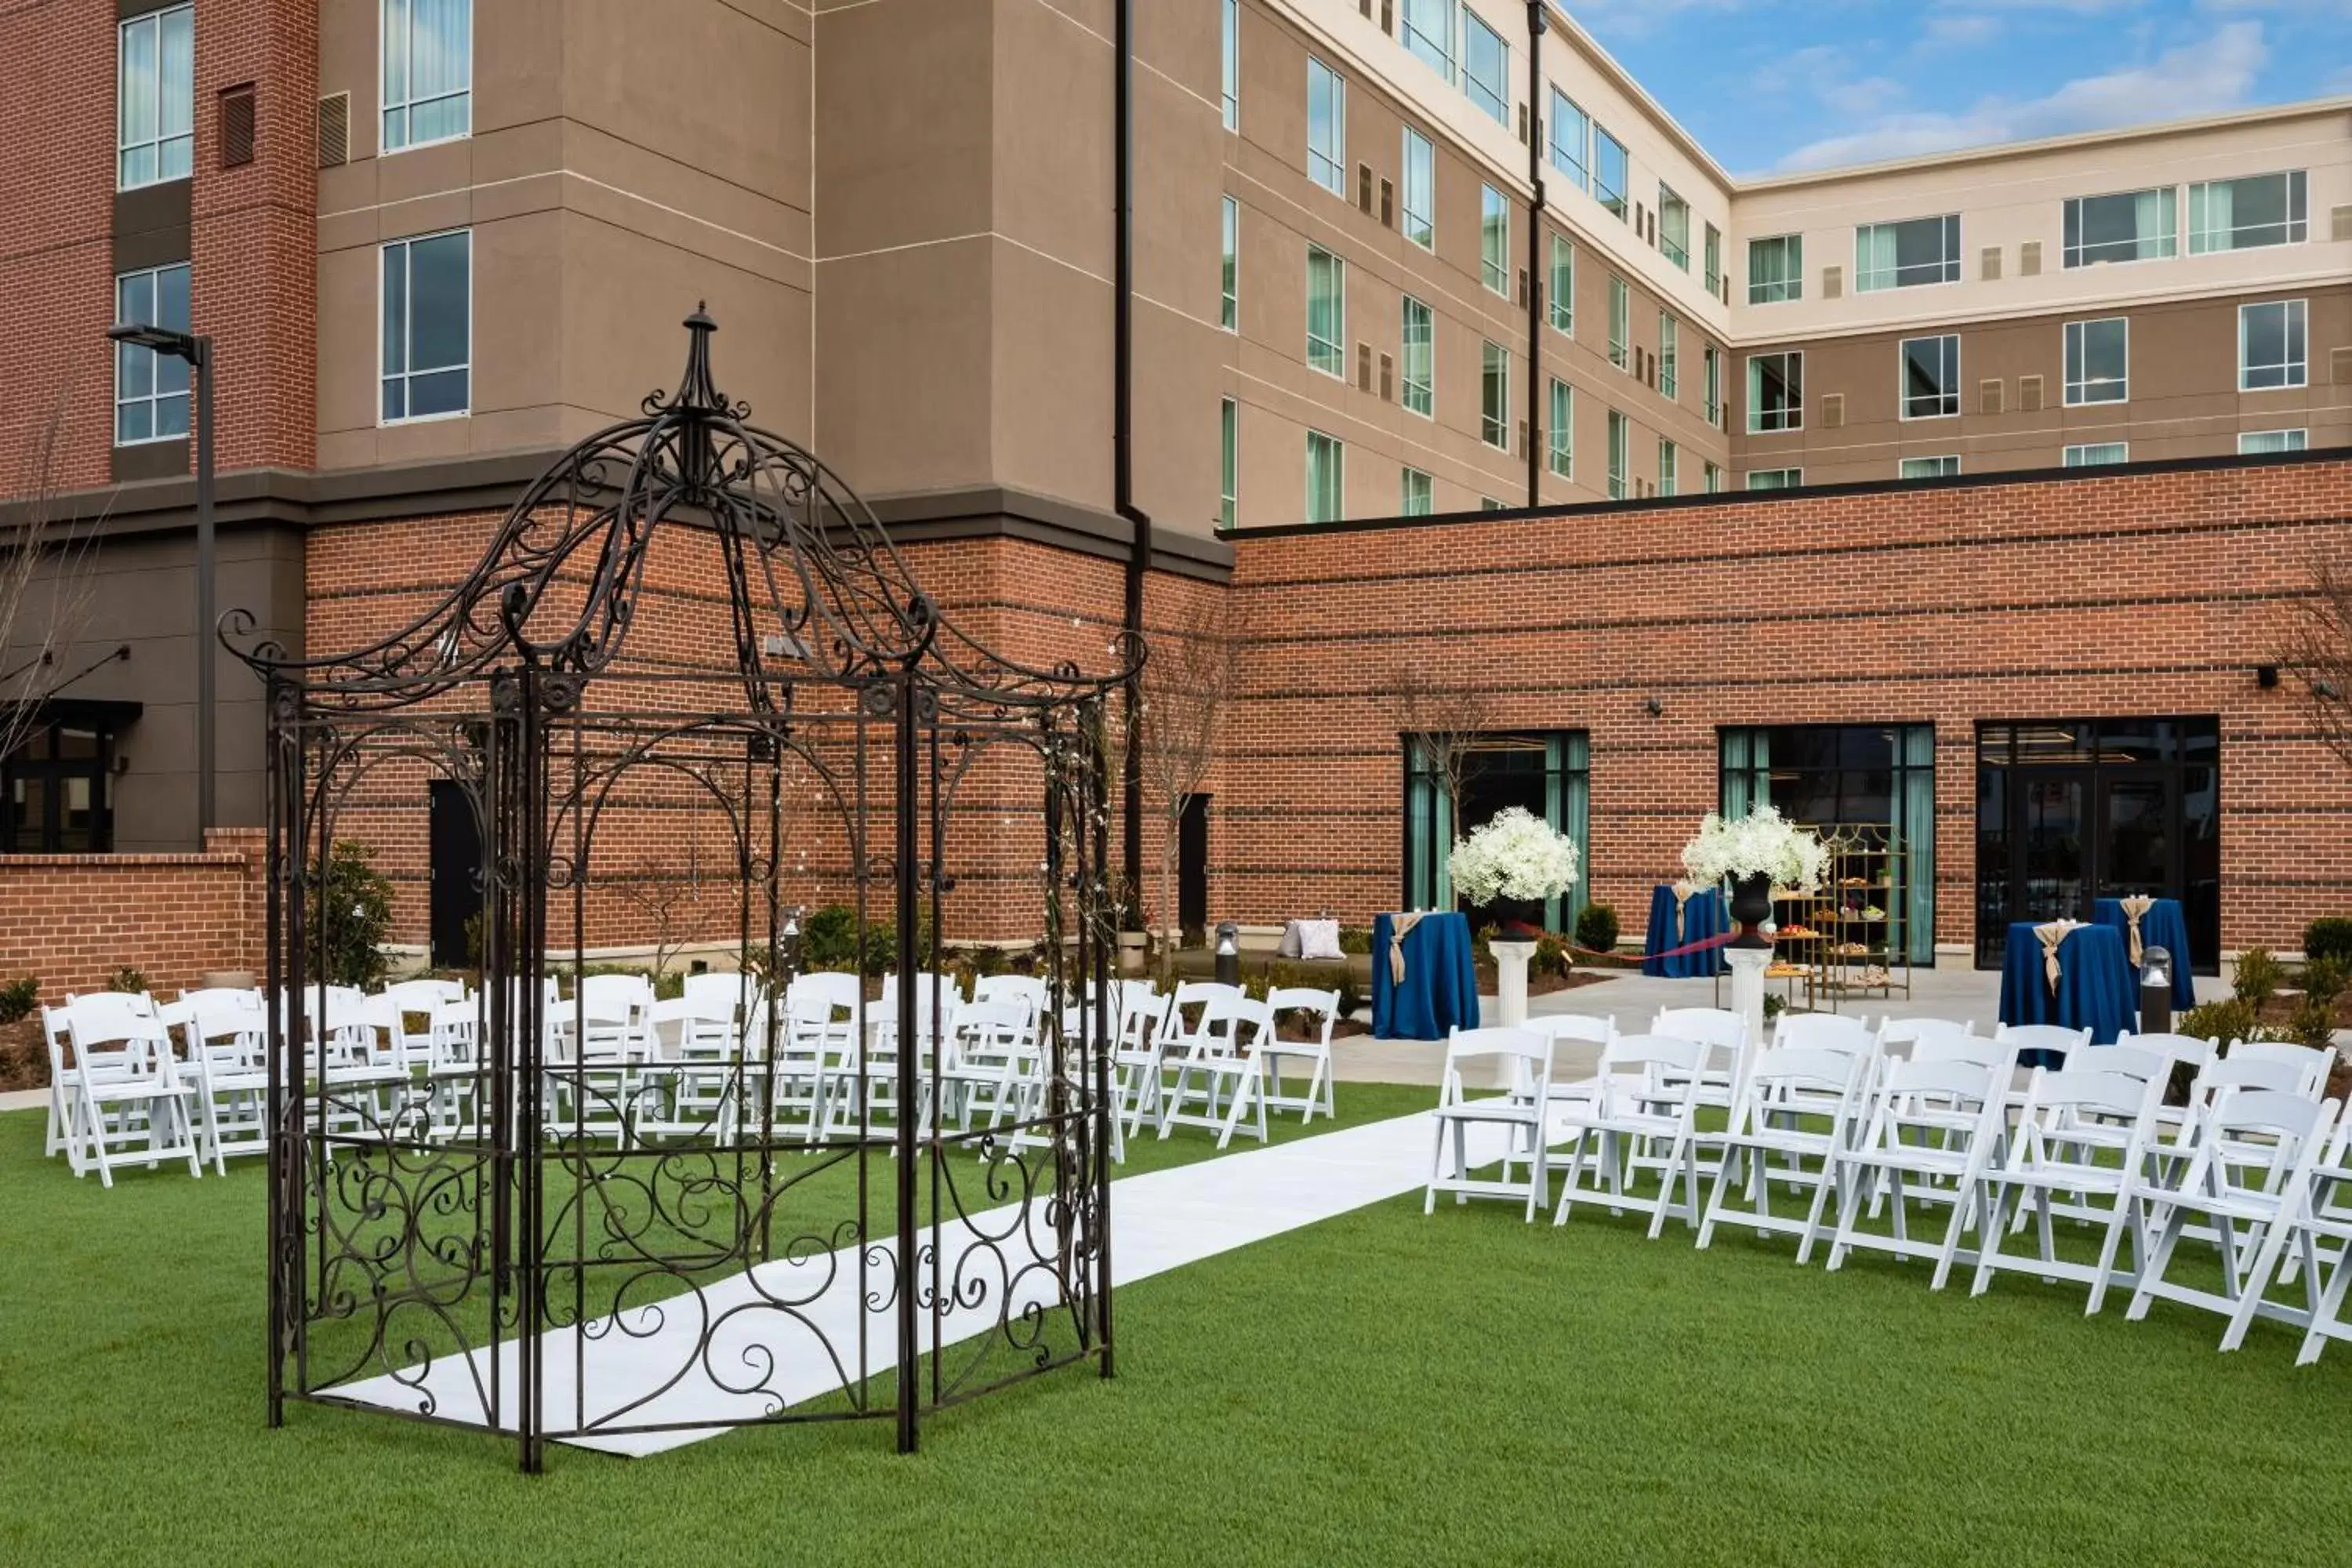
pixel 1704 916
pixel 2162 927
pixel 2096 989
pixel 1441 979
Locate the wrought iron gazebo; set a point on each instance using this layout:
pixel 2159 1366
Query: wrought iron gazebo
pixel 536 1220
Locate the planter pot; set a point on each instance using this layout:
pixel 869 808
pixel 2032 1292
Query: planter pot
pixel 1751 906
pixel 1130 952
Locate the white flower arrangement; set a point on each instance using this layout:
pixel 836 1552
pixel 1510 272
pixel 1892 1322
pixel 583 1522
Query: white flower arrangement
pixel 1515 856
pixel 1762 844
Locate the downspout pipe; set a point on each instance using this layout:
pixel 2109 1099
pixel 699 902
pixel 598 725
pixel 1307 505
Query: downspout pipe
pixel 1139 552
pixel 1537 25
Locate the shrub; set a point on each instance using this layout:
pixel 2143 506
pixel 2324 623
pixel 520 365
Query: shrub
pixel 2330 937
pixel 1352 999
pixel 1774 1005
pixel 126 978
pixel 880 952
pixel 2310 1024
pixel 18 999
pixel 2259 975
pixel 2324 981
pixel 829 938
pixel 350 917
pixel 1355 939
pixel 1551 956
pixel 986 960
pixel 1596 928
pixel 2222 1021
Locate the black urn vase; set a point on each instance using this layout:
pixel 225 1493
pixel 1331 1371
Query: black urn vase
pixel 1751 906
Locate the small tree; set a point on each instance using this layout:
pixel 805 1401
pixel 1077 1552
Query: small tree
pixel 667 903
pixel 1445 726
pixel 2318 653
pixel 1189 676
pixel 349 918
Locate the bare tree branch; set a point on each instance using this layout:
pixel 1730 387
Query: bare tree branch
pixel 667 902
pixel 2318 653
pixel 1446 723
pixel 1191 674
pixel 46 588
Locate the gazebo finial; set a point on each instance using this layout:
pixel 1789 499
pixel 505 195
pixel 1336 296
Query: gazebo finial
pixel 697 391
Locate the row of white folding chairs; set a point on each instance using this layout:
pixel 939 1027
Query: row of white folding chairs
pixel 1208 1055
pixel 2254 1150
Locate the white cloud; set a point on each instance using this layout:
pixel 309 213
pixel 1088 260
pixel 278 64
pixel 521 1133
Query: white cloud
pixel 2207 76
pixel 1961 30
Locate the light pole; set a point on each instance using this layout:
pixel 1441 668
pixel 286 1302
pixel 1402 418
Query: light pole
pixel 198 351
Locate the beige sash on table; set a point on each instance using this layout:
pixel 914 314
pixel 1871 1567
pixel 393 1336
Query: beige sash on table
pixel 2053 935
pixel 1401 923
pixel 2134 908
pixel 1683 890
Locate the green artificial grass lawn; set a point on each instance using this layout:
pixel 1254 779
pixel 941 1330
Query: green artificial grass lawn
pixel 1379 1388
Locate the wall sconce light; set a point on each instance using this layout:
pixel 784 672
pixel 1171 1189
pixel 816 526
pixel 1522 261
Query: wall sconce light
pixel 2266 676
pixel 1656 708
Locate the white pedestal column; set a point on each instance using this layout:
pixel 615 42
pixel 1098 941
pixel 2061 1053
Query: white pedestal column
pixel 1748 987
pixel 1511 991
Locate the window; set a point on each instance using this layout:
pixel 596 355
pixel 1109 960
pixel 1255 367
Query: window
pixel 1326 128
pixel 2135 226
pixel 1563 286
pixel 2098 362
pixel 1420 190
pixel 2255 442
pixel 1488 503
pixel 1494 239
pixel 1229 310
pixel 1776 394
pixel 1325 483
pixel 1776 479
pixel 1711 359
pixel 1429 34
pixel 1610 172
pixel 1931 377
pixel 2098 454
pixel 1571 131
pixel 2271 352
pixel 1873 783
pixel 1486 67
pixel 1231 73
pixel 428 326
pixel 151 390
pixel 1673 226
pixel 1494 395
pixel 1907 255
pixel 2246 214
pixel 1560 448
pixel 56 786
pixel 1327 312
pixel 1420 494
pixel 1776 269
pixel 1621 324
pixel 1669 461
pixel 155 98
pixel 1713 478
pixel 1714 260
pixel 1669 356
pixel 1419 365
pixel 1621 456
pixel 1547 772
pixel 428 71
pixel 1929 468
pixel 1229 432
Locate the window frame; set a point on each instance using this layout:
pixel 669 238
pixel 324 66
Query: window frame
pixel 1669 466
pixel 1338 345
pixel 2295 324
pixel 1427 214
pixel 164 140
pixel 409 372
pixel 2293 440
pixel 1952 458
pixel 1495 394
pixel 1711 266
pixel 1612 201
pixel 153 398
pixel 1948 266
pixel 1578 166
pixel 1670 348
pixel 2298 202
pixel 1559 434
pixel 1493 240
pixel 1229 302
pixel 2075 391
pixel 2074 250
pixel 1406 499
pixel 1621 454
pixel 1789 479
pixel 1949 350
pixel 1794 414
pixel 1339 450
pixel 1338 182
pixel 1480 92
pixel 1406 386
pixel 1791 283
pixel 1711 367
pixel 1228 441
pixel 1673 251
pixel 2077 455
pixel 1229 63
pixel 1412 37
pixel 406 107
pixel 1620 323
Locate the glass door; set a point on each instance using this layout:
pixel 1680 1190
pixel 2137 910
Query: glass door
pixel 2051 880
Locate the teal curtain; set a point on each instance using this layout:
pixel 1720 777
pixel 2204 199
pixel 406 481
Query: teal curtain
pixel 1429 835
pixel 1915 837
pixel 1747 770
pixel 1568 802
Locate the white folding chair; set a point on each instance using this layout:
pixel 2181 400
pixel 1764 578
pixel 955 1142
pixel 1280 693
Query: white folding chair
pixel 1796 1102
pixel 2062 1145
pixel 2227 1190
pixel 1137 1046
pixel 1028 988
pixel 1649 1094
pixel 2317 1225
pixel 1907 1032
pixel 1519 1119
pixel 2313 1063
pixel 1216 1064
pixel 228 1037
pixel 1321 1009
pixel 128 1088
pixel 1937 1123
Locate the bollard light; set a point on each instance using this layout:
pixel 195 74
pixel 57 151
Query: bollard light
pixel 2155 991
pixel 1229 953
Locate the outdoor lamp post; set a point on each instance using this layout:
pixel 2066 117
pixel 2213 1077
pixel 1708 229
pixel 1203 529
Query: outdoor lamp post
pixel 1229 953
pixel 198 353
pixel 2156 991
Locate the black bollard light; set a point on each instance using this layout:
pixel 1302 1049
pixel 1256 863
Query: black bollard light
pixel 2155 991
pixel 1229 953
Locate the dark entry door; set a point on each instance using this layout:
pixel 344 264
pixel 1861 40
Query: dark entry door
pixel 1192 869
pixel 454 857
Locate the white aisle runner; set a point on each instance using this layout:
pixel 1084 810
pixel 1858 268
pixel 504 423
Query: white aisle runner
pixel 1160 1221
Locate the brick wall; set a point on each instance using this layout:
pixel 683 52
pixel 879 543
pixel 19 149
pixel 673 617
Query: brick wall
pixel 73 920
pixel 2135 595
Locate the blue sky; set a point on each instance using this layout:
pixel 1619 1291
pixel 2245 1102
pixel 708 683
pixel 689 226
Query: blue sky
pixel 1774 85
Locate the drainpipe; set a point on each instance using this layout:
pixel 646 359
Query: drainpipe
pixel 1535 103
pixel 1139 552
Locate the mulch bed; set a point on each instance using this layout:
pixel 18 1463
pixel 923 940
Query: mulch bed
pixel 24 1056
